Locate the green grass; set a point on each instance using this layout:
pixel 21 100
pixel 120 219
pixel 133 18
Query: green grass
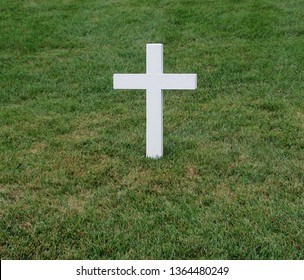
pixel 74 180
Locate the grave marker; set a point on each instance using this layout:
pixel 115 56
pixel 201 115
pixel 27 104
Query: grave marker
pixel 154 81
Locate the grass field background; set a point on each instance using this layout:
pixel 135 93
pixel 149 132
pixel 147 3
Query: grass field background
pixel 74 180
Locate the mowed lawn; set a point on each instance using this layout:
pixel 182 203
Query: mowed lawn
pixel 74 179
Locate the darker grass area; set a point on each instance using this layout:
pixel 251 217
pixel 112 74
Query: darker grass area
pixel 74 180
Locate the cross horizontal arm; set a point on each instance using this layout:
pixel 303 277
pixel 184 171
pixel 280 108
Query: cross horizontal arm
pixel 175 81
pixel 130 81
pixel 157 81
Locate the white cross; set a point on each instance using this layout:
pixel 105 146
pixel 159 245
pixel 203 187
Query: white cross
pixel 154 81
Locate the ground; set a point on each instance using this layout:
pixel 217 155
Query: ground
pixel 74 180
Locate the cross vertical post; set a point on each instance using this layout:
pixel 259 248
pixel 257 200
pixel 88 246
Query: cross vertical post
pixel 154 103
